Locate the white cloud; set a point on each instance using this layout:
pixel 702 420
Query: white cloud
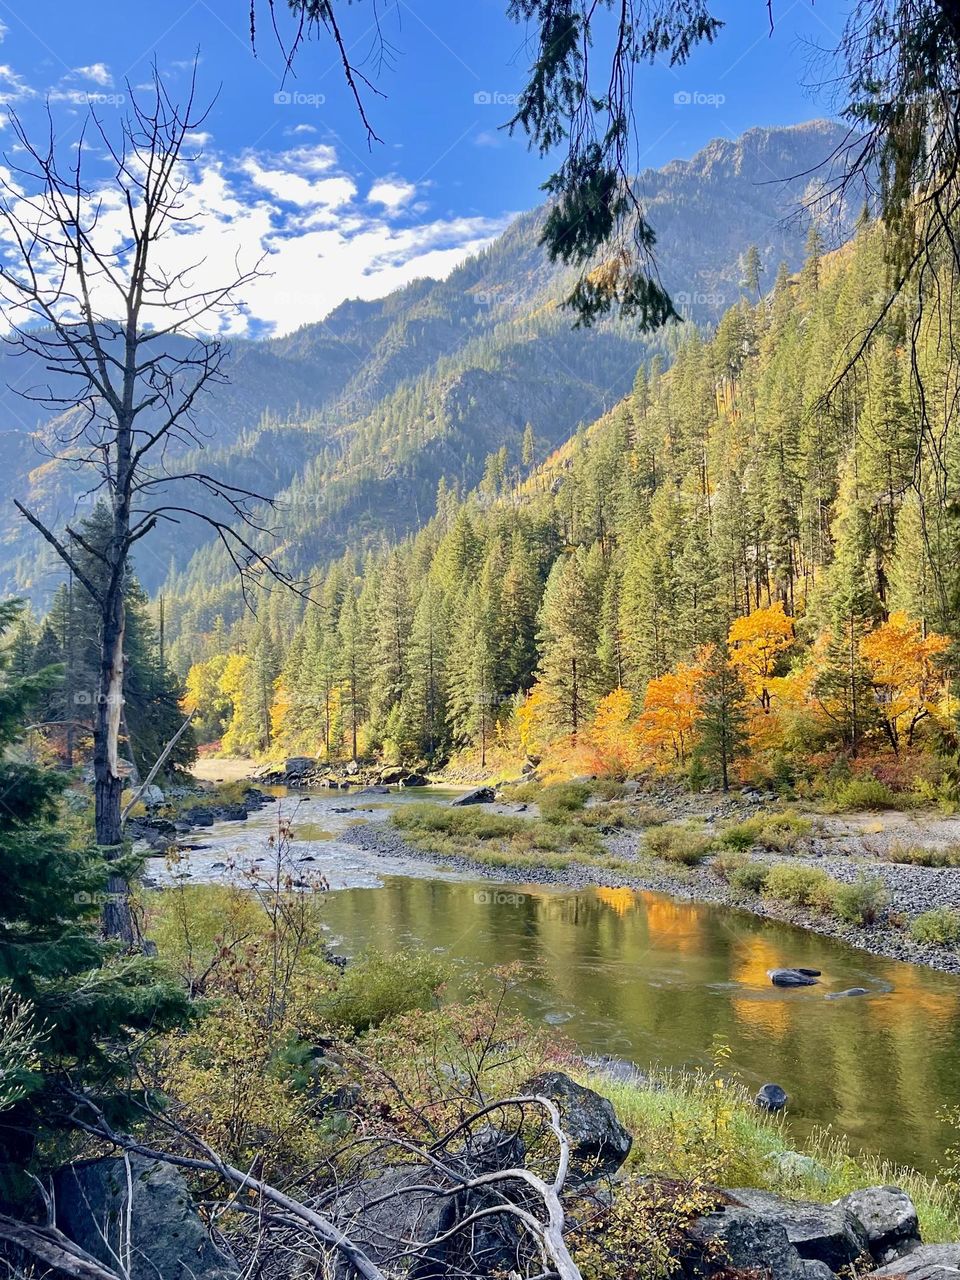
pixel 321 241
pixel 97 73
pixel 392 193
pixel 13 87
pixel 301 129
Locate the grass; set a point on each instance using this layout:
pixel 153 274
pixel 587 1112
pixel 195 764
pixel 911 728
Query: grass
pixel 858 794
pixel 675 1129
pixel 503 840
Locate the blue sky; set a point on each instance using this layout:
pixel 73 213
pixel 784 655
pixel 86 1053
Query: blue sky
pixel 286 167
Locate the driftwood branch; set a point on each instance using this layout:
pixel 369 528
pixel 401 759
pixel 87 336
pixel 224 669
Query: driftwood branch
pixel 53 1249
pixel 158 765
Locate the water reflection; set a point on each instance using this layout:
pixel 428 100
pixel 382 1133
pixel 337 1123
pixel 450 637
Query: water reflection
pixel 654 979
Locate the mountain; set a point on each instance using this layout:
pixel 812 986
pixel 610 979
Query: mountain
pixel 351 423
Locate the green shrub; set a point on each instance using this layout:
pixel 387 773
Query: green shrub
pixel 728 862
pixel 779 832
pixel 557 802
pixel 377 987
pixel 751 877
pixel 921 856
pixel 865 793
pixel 799 885
pixel 941 926
pixel 683 845
pixel 862 902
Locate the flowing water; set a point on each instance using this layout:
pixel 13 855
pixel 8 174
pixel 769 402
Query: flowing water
pixel 648 978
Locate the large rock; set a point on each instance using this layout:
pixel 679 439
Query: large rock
pixel 889 1218
pixel 929 1262
pixel 817 1271
pixel 819 1232
pixel 793 977
pixel 295 766
pixel 771 1097
pixel 479 795
pixel 407 1203
pixel 599 1144
pixel 167 1238
pixel 734 1240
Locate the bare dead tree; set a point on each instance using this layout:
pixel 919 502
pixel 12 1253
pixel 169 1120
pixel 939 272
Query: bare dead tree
pixel 117 329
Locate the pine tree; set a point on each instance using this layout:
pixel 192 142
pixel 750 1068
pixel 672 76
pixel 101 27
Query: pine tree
pixel 88 1008
pixel 721 724
pixel 569 665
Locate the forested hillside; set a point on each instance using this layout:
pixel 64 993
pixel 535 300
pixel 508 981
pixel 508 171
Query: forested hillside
pixel 755 511
pixel 352 422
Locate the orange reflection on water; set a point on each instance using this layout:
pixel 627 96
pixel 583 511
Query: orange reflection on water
pixel 619 900
pixel 679 925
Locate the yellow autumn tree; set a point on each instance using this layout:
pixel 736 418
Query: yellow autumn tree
pixel 666 730
pixel 756 643
pixel 906 675
pixel 611 742
pixel 530 718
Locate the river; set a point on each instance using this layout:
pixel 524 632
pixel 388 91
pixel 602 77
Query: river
pixel 645 977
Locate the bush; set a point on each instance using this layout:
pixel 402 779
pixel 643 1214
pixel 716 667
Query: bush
pixel 921 856
pixel 799 885
pixel 683 845
pixel 865 793
pixel 751 877
pixel 728 863
pixel 779 832
pixel 862 902
pixel 941 927
pixel 557 802
pixel 377 987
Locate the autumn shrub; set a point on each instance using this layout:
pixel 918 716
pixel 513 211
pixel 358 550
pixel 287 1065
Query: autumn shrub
pixel 750 878
pixel 799 885
pixel 681 844
pixel 924 856
pixel 862 902
pixel 376 987
pixel 939 927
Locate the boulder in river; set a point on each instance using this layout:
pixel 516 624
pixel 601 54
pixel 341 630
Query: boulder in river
pixel 889 1218
pixel 793 977
pixel 844 995
pixel 772 1097
pixel 827 1233
pixel 599 1144
pixel 297 765
pixel 479 795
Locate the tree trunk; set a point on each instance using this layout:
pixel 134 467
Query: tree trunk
pixel 108 784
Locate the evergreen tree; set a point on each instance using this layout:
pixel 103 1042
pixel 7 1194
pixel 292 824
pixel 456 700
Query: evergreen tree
pixel 721 726
pixel 569 666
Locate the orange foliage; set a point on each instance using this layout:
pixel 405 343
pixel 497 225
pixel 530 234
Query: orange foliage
pixel 671 708
pixel 905 674
pixel 756 642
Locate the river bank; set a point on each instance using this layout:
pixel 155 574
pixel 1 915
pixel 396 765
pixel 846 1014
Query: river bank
pixel 912 889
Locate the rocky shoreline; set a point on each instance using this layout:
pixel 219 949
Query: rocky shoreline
pixel 912 889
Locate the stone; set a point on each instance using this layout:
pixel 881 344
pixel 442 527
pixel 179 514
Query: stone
pixel 794 1166
pixel 819 1232
pixel 351 767
pixel 414 780
pixel 733 1240
pixel 818 1271
pixel 392 774
pixel 599 1144
pixel 619 1070
pixel 844 995
pixel 168 1239
pixel 929 1262
pixel 792 977
pixel 374 791
pixel 198 817
pixel 298 765
pixel 772 1097
pixel 479 795
pixel 889 1218
pixel 230 813
pixel 152 795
